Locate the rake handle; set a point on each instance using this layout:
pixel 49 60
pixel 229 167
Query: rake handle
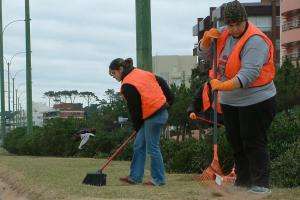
pixel 116 153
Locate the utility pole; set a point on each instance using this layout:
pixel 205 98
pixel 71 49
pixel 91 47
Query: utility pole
pixel 143 34
pixel 28 68
pixel 2 77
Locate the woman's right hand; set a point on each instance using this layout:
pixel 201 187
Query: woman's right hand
pixel 193 116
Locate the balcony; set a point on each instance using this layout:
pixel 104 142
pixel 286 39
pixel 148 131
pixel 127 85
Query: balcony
pixel 293 56
pixel 288 25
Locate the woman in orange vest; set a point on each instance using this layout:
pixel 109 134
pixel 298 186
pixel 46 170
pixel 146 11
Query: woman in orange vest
pixel 148 97
pixel 201 108
pixel 247 93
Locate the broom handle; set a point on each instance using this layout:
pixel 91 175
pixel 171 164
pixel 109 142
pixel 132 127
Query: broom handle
pixel 118 151
pixel 207 120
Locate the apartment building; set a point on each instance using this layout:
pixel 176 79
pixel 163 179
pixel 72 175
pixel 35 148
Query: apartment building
pixel 290 29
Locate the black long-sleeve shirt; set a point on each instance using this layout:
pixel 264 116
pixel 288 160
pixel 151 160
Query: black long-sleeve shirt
pixel 134 103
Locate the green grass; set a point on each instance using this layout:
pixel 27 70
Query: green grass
pixel 60 178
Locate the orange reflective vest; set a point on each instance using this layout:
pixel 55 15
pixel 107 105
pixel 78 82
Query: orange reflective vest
pixel 152 96
pixel 206 102
pixel 233 63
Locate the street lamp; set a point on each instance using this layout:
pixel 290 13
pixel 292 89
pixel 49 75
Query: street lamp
pixel 8 63
pixel 13 81
pixel 17 20
pixel 18 105
pixel 2 70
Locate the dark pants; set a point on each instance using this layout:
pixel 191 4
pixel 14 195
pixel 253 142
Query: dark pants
pixel 246 129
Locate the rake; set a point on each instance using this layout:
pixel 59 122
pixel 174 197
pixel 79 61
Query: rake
pixel 214 170
pixel 98 178
pixel 209 174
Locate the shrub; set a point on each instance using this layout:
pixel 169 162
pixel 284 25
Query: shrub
pixel 285 168
pixel 284 130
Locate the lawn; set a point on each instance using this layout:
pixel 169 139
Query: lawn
pixel 60 178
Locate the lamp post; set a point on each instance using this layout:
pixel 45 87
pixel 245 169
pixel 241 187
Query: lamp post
pixel 13 85
pixel 2 77
pixel 18 106
pixel 2 95
pixel 8 63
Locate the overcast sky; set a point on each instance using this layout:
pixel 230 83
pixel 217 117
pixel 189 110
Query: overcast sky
pixel 73 41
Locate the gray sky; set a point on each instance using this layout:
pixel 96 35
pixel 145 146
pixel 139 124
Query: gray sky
pixel 73 41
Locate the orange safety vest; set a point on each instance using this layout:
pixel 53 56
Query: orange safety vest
pixel 206 102
pixel 152 96
pixel 233 63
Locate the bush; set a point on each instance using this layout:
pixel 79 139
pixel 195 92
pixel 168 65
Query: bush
pixel 193 156
pixel 284 130
pixel 285 168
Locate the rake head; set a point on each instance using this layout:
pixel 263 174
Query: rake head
pixel 230 178
pixel 209 174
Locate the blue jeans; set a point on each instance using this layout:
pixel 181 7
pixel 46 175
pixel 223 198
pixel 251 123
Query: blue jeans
pixel 147 140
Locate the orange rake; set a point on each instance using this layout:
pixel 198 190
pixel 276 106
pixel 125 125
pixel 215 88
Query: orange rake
pixel 209 174
pixel 214 171
pixel 230 178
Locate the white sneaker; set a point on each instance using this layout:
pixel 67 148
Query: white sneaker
pixel 260 190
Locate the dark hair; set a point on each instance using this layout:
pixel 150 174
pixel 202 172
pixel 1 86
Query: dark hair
pixel 120 62
pixel 234 12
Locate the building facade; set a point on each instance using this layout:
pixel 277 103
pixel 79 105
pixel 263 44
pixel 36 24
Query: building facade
pixel 38 109
pixel 290 29
pixel 175 69
pixel 64 111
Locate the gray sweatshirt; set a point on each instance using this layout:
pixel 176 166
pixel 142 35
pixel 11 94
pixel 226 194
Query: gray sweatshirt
pixel 253 56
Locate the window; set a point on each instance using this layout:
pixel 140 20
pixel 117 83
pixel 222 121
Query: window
pixel 262 22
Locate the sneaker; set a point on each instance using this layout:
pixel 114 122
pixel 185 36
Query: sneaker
pixel 127 180
pixel 260 190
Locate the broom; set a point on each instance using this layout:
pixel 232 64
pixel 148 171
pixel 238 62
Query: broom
pixel 98 178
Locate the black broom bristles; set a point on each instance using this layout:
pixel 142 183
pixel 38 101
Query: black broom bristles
pixel 96 179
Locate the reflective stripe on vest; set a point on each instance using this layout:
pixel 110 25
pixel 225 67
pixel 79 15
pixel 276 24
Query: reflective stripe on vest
pixel 233 64
pixel 152 96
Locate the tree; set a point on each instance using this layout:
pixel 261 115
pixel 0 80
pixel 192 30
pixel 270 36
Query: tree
pixel 50 95
pixel 288 86
pixel 72 95
pixel 88 97
pixel 178 112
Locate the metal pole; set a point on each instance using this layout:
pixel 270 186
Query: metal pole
pixel 13 89
pixel 143 34
pixel 8 86
pixel 28 69
pixel 16 117
pixel 2 77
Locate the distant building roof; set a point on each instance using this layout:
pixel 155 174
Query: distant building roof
pixel 68 106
